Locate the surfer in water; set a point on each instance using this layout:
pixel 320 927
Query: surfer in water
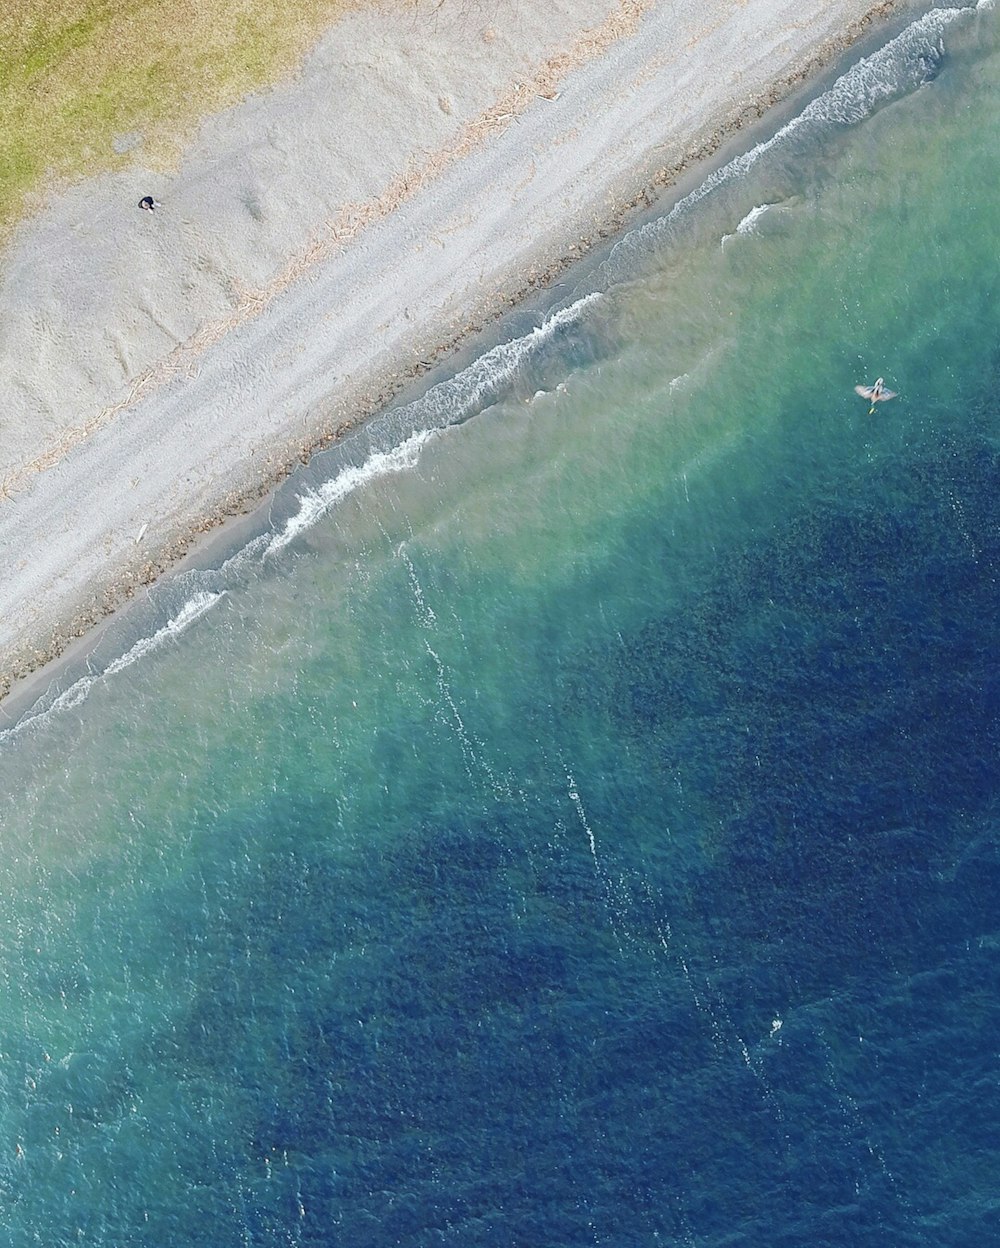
pixel 876 394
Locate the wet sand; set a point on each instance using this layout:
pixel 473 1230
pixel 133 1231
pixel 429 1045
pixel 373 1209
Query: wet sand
pixel 319 245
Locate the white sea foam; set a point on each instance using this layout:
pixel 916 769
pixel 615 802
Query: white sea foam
pixel 467 391
pixel 193 609
pixel 749 222
pixel 445 404
pixel 574 797
pixel 746 226
pixel 316 503
pixel 425 612
pixel 899 67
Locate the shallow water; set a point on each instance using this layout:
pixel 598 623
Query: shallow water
pixel 574 820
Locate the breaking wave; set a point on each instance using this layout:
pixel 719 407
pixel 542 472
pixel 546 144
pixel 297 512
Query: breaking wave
pixel 55 700
pixel 394 442
pixel 901 66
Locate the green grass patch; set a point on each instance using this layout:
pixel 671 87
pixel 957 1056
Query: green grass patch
pixel 75 74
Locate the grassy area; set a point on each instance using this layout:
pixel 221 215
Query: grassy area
pixel 75 75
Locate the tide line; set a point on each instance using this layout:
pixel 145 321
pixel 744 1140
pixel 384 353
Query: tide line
pixel 196 606
pixel 448 403
pixel 908 61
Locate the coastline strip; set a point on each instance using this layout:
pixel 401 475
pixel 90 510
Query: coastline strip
pixel 605 131
pixel 353 219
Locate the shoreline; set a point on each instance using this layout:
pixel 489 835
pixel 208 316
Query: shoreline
pixel 55 611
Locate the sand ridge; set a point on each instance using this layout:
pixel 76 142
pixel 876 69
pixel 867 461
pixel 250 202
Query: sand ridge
pixel 317 244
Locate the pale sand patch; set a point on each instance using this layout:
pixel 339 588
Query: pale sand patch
pixel 319 241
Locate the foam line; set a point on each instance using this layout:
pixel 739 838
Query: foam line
pixel 746 226
pixel 470 389
pixel 193 609
pixel 445 404
pixel 898 68
pixel 314 504
pixel 749 223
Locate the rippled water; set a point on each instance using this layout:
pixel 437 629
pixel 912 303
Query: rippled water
pixel 573 820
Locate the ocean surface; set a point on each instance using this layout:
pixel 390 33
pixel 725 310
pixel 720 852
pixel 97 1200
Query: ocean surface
pixel 573 817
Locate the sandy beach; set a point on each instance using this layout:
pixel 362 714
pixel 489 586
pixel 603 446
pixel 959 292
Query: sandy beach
pixel 318 244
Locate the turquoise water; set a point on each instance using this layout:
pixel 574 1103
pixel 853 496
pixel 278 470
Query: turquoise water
pixel 574 819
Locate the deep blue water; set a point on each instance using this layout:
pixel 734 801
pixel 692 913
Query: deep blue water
pixel 577 822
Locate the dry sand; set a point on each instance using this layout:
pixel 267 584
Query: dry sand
pixel 321 240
